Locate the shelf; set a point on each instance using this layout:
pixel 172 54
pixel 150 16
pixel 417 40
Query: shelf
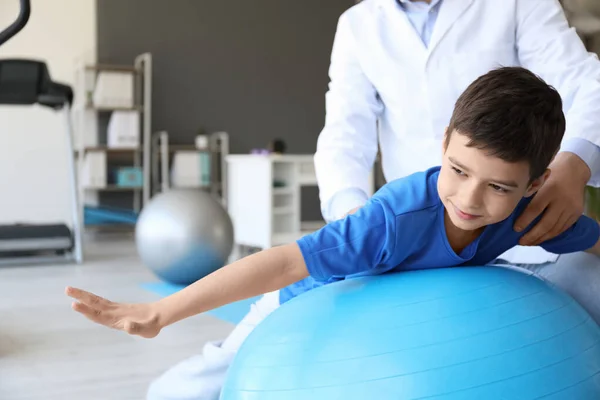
pixel 89 106
pixel 111 227
pixel 98 162
pixel 282 191
pixel 198 186
pixel 307 180
pixel 110 149
pixel 113 68
pixel 182 147
pixel 283 210
pixel 113 188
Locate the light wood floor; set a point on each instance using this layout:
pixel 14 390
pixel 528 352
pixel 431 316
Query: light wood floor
pixel 47 351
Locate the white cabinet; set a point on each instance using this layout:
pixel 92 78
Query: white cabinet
pixel 264 198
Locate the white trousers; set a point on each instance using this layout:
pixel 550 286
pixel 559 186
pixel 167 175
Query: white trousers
pixel 202 376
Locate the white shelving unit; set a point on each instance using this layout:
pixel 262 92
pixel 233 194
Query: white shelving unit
pixel 216 149
pixel 264 193
pixel 88 138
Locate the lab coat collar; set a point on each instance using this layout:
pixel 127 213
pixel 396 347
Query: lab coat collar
pixel 449 14
pixel 433 2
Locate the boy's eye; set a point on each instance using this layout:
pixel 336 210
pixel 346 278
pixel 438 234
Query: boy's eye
pixel 498 188
pixel 458 171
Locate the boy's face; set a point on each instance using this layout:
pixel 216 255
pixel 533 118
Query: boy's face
pixel 478 189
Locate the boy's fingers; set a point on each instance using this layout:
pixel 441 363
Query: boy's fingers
pixel 100 317
pixel 91 313
pixel 132 327
pixel 87 298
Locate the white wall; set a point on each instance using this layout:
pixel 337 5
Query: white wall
pixel 33 158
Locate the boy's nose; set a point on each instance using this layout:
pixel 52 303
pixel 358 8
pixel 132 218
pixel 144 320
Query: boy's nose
pixel 472 197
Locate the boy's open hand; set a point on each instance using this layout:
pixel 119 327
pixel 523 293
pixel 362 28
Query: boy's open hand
pixel 135 319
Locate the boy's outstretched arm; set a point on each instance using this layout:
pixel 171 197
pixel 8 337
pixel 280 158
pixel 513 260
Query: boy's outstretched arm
pixel 259 273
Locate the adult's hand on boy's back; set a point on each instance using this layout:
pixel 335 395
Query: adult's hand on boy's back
pixel 561 199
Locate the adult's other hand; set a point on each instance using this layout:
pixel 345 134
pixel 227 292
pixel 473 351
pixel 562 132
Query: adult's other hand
pixel 561 199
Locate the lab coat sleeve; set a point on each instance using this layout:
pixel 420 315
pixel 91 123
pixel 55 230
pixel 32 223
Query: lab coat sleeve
pixel 550 48
pixel 347 145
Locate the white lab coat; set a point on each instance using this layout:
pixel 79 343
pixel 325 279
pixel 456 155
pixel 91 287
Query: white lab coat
pixel 382 73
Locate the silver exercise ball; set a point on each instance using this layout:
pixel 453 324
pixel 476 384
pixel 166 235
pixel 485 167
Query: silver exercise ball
pixel 183 235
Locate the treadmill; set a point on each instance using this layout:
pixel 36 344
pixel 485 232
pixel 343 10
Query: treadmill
pixel 28 82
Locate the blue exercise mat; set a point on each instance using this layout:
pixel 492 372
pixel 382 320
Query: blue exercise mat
pixel 232 313
pixel 108 215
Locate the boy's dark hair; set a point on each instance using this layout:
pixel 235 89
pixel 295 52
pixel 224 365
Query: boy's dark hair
pixel 512 114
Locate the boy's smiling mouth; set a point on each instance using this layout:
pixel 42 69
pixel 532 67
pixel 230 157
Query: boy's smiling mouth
pixel 463 215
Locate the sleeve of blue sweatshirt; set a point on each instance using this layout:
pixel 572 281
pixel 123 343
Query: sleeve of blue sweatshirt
pixel 581 236
pixel 355 244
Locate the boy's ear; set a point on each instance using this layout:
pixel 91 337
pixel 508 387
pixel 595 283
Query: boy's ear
pixel 537 183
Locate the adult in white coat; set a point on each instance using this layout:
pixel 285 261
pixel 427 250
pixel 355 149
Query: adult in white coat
pixel 404 74
pixel 400 65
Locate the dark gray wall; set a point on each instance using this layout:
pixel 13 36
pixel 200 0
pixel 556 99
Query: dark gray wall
pixel 256 69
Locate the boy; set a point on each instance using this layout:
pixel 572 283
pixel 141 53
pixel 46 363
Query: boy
pixel 506 128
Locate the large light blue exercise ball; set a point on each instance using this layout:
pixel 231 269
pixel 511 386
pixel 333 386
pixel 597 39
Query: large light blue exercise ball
pixel 182 235
pixel 480 333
